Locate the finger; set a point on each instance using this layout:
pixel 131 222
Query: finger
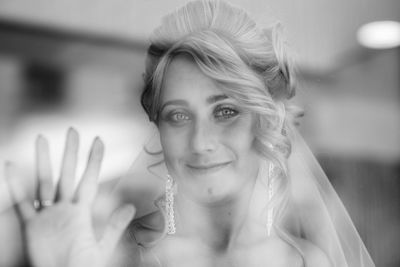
pixel 87 188
pixel 18 192
pixel 117 224
pixel 43 168
pixel 68 166
pixel 6 201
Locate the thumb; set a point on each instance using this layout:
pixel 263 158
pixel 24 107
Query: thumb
pixel 118 222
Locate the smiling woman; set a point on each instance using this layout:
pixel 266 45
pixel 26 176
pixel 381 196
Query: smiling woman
pixel 206 136
pixel 241 187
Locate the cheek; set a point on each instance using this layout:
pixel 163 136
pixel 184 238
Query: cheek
pixel 240 137
pixel 173 144
pixel 240 134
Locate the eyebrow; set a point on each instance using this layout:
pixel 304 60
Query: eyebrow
pixel 215 98
pixel 210 100
pixel 179 102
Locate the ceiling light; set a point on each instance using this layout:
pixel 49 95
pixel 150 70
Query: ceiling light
pixel 380 34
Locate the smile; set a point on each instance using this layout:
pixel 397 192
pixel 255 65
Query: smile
pixel 207 168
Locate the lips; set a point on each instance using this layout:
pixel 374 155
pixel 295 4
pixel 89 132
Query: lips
pixel 206 168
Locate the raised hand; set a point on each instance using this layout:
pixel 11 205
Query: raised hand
pixel 58 222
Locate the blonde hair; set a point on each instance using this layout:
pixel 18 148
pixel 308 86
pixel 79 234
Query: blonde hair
pixel 250 64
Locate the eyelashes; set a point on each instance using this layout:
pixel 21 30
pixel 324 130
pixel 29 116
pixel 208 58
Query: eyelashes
pixel 225 112
pixel 177 117
pixel 221 113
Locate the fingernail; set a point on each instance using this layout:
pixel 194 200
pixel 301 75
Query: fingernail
pixel 39 137
pixel 73 136
pixel 98 138
pixel 72 130
pixel 41 144
pixel 127 212
pixel 99 142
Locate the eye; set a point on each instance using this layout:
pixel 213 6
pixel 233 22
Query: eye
pixel 222 113
pixel 178 117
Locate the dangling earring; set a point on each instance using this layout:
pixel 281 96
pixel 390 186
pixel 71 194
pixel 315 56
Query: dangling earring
pixel 270 214
pixel 169 205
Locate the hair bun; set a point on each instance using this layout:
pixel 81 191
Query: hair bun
pixel 280 77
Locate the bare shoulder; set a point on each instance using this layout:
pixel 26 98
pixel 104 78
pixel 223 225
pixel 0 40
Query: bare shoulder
pixel 269 252
pixel 314 256
pixel 283 254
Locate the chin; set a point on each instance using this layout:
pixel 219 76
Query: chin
pixel 213 186
pixel 215 190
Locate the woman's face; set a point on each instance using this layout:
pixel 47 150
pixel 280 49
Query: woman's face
pixel 206 136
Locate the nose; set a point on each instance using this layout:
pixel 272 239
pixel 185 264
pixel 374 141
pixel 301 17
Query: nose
pixel 203 138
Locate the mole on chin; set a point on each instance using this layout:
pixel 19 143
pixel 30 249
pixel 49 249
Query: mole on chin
pixel 210 191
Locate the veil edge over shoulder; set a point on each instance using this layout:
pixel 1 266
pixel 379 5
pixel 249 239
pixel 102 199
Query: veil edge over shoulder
pixel 321 215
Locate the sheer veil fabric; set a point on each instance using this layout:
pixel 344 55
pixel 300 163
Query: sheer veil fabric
pixel 315 212
pixel 321 216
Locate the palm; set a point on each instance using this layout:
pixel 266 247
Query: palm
pixel 62 234
pixel 64 227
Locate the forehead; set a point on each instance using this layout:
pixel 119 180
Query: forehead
pixel 185 80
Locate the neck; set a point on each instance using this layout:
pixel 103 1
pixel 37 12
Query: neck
pixel 217 225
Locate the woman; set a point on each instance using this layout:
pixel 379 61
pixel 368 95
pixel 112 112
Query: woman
pixel 238 188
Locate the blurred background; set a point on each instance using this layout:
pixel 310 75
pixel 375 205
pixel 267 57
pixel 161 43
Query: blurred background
pixel 79 63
